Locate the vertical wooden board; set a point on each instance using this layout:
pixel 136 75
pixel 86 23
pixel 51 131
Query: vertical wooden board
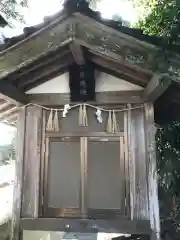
pixel 122 174
pixel 152 172
pixel 31 172
pixel 126 165
pixel 131 159
pixel 18 175
pixel 139 153
pixel 42 165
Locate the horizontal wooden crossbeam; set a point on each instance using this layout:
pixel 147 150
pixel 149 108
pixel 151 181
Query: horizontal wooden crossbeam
pixel 121 97
pixel 79 225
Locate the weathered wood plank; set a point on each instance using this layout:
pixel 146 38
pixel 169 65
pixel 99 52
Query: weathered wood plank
pixel 126 155
pixel 152 172
pixel 118 97
pixel 87 225
pixel 18 175
pixel 48 39
pixel 138 148
pixel 156 87
pixel 31 173
pixel 131 160
pixel 42 164
pixel 122 175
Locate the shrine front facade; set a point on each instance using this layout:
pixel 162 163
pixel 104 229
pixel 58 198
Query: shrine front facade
pixel 82 92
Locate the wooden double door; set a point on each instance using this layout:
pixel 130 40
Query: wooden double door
pixel 84 177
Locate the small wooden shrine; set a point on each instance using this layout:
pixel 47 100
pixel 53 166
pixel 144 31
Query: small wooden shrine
pixel 82 93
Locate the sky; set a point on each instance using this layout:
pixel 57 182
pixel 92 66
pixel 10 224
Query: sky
pixel 37 9
pixel 40 8
pixel 6 134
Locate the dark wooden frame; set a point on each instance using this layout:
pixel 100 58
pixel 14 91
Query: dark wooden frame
pixel 83 211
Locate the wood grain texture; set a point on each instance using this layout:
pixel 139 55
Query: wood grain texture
pixel 152 172
pixel 17 196
pixel 31 173
pixel 122 174
pixel 126 167
pixel 131 159
pixel 138 147
pixel 118 97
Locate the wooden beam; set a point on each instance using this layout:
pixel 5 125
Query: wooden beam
pixel 45 60
pixel 44 71
pixel 156 87
pixel 126 74
pixel 120 97
pixel 87 225
pixel 7 112
pixel 4 105
pixel 77 53
pixel 43 79
pixel 12 94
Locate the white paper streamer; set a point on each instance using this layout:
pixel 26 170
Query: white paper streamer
pixel 65 110
pixel 99 115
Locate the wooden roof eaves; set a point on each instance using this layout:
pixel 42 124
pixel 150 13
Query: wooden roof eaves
pixel 63 31
pixel 82 29
pixel 37 45
pixel 92 23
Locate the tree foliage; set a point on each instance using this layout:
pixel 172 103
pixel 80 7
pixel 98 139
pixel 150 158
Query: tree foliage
pixel 168 157
pixel 168 165
pixel 163 19
pixel 10 9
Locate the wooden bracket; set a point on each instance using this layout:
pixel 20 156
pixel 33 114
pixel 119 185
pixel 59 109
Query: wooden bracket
pixel 156 87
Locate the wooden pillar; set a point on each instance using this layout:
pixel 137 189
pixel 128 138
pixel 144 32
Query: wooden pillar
pixel 32 157
pixel 137 165
pixel 26 192
pixel 18 175
pixel 152 172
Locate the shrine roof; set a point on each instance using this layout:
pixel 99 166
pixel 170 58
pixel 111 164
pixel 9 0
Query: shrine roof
pixel 85 10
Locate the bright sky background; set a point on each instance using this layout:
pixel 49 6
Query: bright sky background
pixel 40 8
pixel 6 134
pixel 37 9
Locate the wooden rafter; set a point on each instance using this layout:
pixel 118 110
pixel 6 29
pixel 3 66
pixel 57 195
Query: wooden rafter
pixel 9 111
pixel 77 53
pixel 133 78
pixel 38 64
pixel 44 71
pixel 45 78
